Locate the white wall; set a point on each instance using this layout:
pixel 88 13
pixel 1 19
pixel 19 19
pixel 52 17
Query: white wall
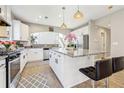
pixel 38 28
pixel 116 20
pixel 117 34
pixel 80 32
pixel 44 28
pixel 59 30
pixel 95 41
pixel 46 37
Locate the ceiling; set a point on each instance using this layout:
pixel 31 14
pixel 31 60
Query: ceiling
pixel 31 13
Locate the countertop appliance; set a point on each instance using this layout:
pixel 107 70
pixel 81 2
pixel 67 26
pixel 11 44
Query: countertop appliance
pixel 12 68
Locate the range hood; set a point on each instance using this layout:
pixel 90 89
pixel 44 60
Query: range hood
pixel 3 22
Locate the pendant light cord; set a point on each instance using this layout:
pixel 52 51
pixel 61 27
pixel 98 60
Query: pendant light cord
pixel 78 7
pixel 63 8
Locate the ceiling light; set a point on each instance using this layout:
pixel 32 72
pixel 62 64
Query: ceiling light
pixel 63 26
pixel 78 14
pixel 60 16
pixel 40 16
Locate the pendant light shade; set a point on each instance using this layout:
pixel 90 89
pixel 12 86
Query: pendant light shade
pixel 78 14
pixel 63 26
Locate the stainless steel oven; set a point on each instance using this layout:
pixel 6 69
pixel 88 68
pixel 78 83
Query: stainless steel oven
pixel 13 70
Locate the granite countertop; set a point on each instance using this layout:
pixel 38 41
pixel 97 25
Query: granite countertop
pixel 2 57
pixel 78 52
pixel 42 46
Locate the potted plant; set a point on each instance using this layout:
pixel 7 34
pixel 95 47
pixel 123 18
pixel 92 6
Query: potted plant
pixel 71 38
pixel 7 44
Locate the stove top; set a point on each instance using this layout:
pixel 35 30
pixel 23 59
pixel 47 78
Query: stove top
pixel 2 53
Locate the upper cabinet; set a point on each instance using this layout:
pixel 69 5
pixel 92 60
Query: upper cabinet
pixel 20 31
pixel 8 15
pixel 5 20
pixel 3 11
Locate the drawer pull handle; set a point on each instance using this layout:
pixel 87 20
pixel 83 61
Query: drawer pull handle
pixel 1 65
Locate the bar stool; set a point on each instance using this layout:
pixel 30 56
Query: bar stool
pixel 117 64
pixel 102 70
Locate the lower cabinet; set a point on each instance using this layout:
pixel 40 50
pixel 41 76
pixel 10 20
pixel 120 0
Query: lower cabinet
pixel 67 68
pixel 55 62
pixel 29 55
pixel 2 74
pixel 23 59
pixel 35 54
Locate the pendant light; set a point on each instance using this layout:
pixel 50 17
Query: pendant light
pixel 78 14
pixel 63 26
pixel 110 11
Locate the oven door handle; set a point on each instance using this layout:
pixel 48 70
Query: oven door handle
pixel 14 60
pixel 2 65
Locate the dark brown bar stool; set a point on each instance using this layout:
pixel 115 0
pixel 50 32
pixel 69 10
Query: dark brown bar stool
pixel 118 64
pixel 102 70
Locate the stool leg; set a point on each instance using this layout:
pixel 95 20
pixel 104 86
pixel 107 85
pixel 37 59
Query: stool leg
pixel 107 82
pixel 93 84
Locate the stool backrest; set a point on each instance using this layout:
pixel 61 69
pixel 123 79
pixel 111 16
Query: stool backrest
pixel 103 68
pixel 117 64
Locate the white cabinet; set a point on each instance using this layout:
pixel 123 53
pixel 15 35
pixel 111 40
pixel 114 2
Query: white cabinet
pixel 16 30
pixel 24 32
pixel 35 54
pixel 55 62
pixel 67 68
pixel 8 15
pixel 2 74
pixel 20 31
pixel 23 59
pixel 3 12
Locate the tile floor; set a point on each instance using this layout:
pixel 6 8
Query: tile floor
pixel 38 74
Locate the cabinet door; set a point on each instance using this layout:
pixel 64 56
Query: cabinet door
pixel 23 59
pixel 8 16
pixel 16 30
pixel 2 74
pixel 35 54
pixel 3 12
pixel 24 32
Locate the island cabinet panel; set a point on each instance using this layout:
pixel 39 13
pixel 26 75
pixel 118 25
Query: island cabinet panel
pixel 67 68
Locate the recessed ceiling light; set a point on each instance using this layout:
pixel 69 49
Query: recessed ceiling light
pixel 60 15
pixel 40 16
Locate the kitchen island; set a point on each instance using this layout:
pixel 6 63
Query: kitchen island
pixel 66 65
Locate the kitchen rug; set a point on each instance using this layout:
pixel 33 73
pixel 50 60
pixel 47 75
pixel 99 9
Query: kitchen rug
pixel 34 81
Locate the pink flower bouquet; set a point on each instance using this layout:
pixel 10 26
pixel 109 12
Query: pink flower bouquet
pixel 71 37
pixel 7 44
